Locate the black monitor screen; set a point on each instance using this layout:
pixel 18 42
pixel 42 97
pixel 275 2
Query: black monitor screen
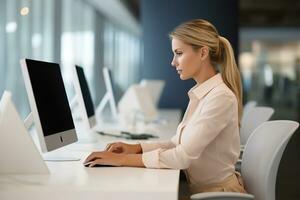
pixel 85 92
pixel 50 96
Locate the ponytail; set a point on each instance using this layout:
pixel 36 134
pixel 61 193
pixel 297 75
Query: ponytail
pixel 230 73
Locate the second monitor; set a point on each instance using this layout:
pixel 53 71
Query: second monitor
pixel 85 103
pixel 83 97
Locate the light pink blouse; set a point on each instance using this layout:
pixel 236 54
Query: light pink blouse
pixel 207 143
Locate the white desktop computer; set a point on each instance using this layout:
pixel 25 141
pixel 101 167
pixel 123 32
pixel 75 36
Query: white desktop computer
pixel 49 104
pixel 83 98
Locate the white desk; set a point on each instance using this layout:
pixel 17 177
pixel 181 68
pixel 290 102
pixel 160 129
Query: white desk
pixel 71 180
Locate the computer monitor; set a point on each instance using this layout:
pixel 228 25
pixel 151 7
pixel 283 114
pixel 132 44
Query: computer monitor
pixel 49 104
pixel 155 87
pixel 83 97
pixel 109 95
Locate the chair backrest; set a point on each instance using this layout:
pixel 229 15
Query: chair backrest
pixel 262 155
pixel 252 120
pixel 247 107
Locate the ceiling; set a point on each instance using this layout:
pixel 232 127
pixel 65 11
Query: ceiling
pixel 269 13
pixel 253 13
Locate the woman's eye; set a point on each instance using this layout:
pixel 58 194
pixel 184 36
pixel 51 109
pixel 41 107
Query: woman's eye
pixel 178 53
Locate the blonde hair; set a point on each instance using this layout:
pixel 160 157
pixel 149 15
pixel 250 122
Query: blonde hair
pixel 199 33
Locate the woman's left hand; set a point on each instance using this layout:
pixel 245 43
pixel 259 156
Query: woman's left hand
pixel 105 158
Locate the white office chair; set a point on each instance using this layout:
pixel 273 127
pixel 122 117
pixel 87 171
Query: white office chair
pixel 261 159
pixel 252 120
pixel 248 107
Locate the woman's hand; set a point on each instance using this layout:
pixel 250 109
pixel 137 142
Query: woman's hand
pixel 123 148
pixel 104 158
pixel 114 159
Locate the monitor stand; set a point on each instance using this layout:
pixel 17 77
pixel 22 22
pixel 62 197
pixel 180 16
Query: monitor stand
pixel 108 98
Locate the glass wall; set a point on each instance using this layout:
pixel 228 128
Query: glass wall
pixel 69 32
pixel 270 65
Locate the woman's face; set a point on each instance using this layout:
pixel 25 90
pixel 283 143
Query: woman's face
pixel 186 60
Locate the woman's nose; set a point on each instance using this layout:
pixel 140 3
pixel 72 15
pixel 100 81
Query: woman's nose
pixel 173 63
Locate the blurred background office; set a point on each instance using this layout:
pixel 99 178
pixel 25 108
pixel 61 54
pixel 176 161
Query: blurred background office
pixel 91 34
pixel 131 38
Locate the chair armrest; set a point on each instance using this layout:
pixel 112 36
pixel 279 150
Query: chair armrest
pixel 222 196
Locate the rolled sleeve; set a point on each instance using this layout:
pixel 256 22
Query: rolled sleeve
pixel 175 158
pixel 151 159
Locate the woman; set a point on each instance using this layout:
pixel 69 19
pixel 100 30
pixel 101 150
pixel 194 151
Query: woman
pixel 207 142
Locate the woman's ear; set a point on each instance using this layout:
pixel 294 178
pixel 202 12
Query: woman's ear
pixel 204 52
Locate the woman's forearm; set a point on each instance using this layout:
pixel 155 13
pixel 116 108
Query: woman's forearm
pixel 133 160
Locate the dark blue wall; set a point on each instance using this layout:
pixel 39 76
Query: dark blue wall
pixel 159 17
